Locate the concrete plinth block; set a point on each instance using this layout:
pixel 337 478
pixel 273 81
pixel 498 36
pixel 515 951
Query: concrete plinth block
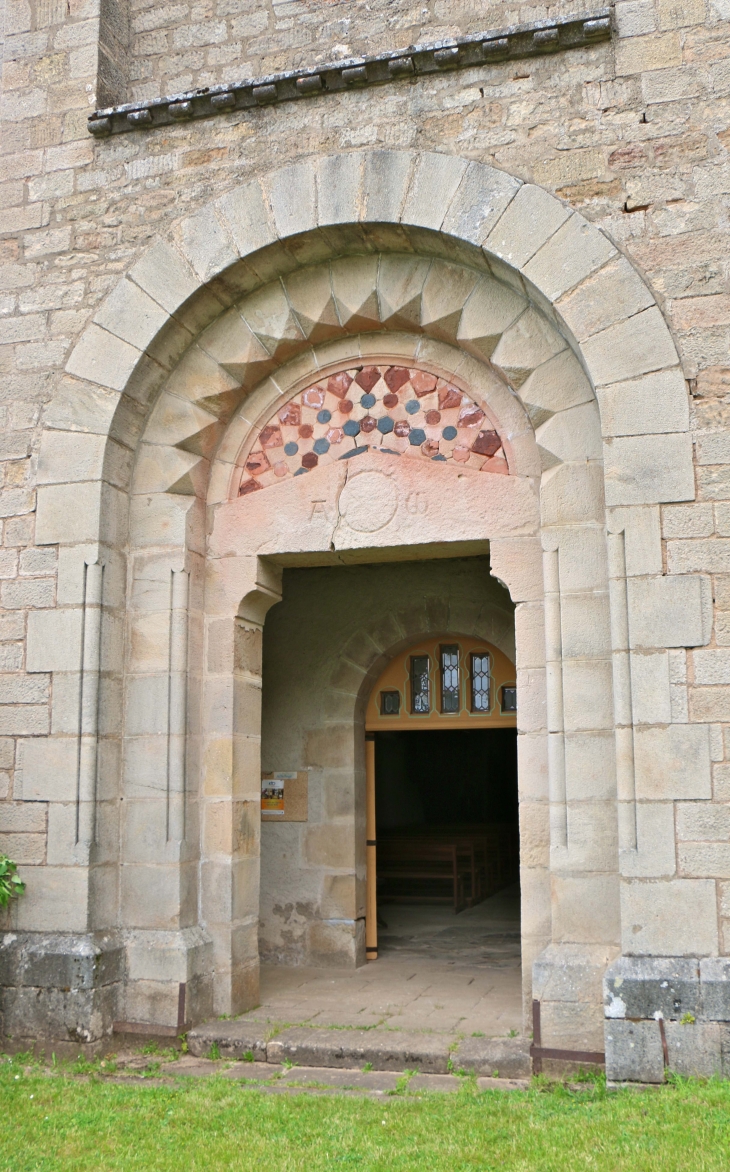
pixel 234 1039
pixel 499 1057
pixel 383 1049
pixel 715 988
pixel 642 986
pixel 695 1048
pixel 634 1051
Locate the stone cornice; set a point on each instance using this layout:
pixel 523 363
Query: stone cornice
pixel 517 41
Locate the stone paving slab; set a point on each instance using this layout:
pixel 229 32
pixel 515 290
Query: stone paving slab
pixel 369 1080
pixel 383 1049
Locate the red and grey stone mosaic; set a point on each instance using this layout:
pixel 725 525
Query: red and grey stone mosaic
pixel 393 409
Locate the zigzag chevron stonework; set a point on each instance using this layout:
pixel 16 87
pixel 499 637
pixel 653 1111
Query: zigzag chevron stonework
pixel 497 287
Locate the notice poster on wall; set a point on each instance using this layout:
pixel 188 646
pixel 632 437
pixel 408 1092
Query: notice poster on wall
pixel 284 796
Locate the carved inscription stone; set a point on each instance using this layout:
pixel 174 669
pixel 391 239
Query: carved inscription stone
pixel 368 502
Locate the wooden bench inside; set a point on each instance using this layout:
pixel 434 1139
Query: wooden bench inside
pixel 461 865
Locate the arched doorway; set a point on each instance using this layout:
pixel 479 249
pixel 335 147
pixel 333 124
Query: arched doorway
pixel 441 780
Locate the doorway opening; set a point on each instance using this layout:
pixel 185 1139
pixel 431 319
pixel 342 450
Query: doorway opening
pixel 442 838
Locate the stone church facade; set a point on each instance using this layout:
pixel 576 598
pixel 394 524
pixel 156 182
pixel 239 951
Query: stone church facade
pixel 360 289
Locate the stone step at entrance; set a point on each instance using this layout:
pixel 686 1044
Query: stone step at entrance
pixel 354 1049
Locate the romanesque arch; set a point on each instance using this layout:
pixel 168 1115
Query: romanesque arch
pixel 424 262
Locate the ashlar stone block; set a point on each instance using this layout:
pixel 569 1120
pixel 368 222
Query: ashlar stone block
pixel 634 1051
pixel 673 917
pixel 644 986
pixel 649 469
pixel 669 611
pixel 435 181
pixel 531 218
pixel 673 763
pixel 575 250
pixel 656 402
pixel 481 197
pixel 103 358
pixel 525 345
pixel 614 292
pixel 632 347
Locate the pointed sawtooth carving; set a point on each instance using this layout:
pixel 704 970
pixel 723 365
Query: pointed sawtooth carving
pixel 445 292
pixel 236 348
pixel 527 344
pixel 269 315
pixel 491 308
pixel 310 297
pixel 400 289
pixel 354 285
pixel 555 385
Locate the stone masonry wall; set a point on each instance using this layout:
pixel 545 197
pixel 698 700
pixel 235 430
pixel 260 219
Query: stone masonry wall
pixel 634 133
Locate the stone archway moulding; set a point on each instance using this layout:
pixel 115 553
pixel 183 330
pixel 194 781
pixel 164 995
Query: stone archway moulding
pixel 565 265
pixel 298 218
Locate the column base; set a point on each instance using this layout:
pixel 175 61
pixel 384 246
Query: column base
pixel 169 984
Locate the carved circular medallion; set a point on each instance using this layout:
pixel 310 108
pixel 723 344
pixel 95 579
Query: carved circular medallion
pixel 368 502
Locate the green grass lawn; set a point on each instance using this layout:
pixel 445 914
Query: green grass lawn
pixel 54 1122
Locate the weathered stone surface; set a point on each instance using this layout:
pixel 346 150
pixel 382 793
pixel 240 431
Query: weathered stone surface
pixel 634 1051
pixel 642 987
pixel 503 1057
pixel 384 1049
pixel 234 1039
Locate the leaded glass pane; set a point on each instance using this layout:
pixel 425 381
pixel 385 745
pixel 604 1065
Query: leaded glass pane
pixel 420 684
pixel 509 699
pixel 389 703
pixel 450 698
pixel 479 683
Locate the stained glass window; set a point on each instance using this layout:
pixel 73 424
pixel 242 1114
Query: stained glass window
pixel 509 699
pixel 420 684
pixel 450 697
pixel 389 703
pixel 479 682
